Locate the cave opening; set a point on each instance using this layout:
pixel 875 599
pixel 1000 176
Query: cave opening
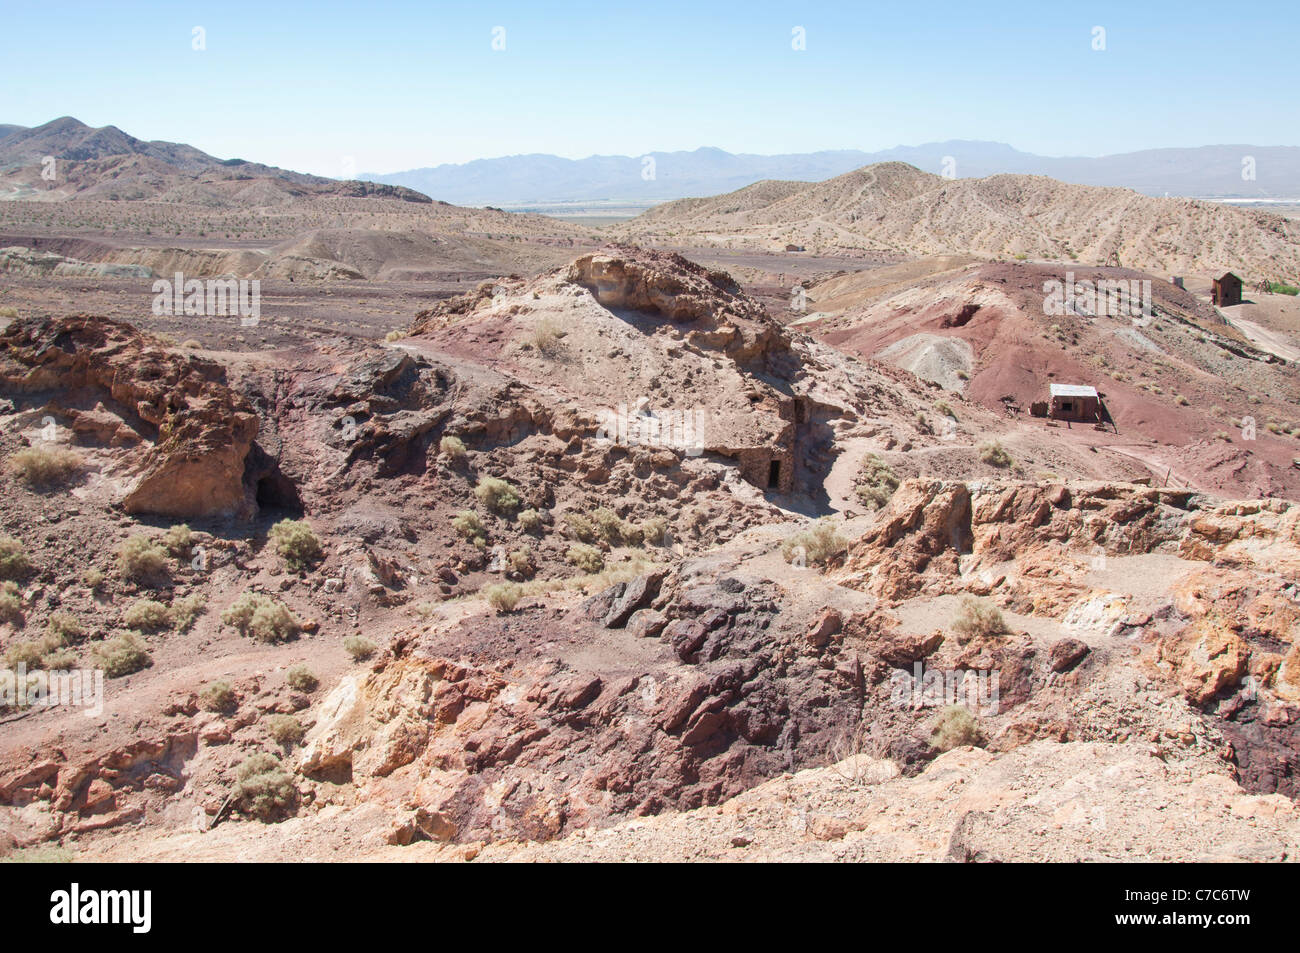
pixel 276 492
pixel 774 475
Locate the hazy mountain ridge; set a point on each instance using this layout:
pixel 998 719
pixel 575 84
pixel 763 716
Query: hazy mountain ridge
pixel 1213 171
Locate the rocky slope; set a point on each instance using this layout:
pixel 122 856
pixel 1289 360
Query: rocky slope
pixel 892 206
pixel 665 649
pixel 1184 390
pixel 107 163
pixel 168 427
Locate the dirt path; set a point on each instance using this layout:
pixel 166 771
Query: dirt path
pixel 1264 339
pixel 1161 473
pixel 839 482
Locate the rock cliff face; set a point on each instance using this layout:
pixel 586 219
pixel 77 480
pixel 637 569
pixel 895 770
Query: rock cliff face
pixel 193 433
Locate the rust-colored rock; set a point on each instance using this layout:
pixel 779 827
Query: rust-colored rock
pixel 201 431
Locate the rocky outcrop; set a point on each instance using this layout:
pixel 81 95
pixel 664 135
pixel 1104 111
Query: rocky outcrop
pixel 936 535
pixel 199 431
pixel 719 315
pixel 546 747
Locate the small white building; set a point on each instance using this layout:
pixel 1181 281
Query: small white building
pixel 1074 402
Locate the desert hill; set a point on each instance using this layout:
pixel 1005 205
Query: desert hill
pixel 1180 384
pixel 896 207
pixel 107 163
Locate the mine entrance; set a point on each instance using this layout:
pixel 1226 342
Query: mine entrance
pixel 276 492
pixel 774 475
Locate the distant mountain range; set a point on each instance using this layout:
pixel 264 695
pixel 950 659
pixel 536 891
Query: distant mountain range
pixel 1272 172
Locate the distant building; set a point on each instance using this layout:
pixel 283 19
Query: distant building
pixel 1077 402
pixel 1226 290
pixel 794 248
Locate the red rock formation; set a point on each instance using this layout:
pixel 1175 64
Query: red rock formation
pixel 201 430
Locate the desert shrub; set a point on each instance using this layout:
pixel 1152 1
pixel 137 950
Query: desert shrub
pixel 955 727
pixel 995 454
pixel 876 481
pixel 120 655
pixel 14 563
pixel 467 524
pixel 547 337
pixel 260 617
pixel 395 335
pixel 296 544
pixel 580 527
pixel 285 729
pixel 1180 400
pixel 59 659
pixel 44 467
pixel 654 530
pixel 8 311
pixel 302 679
pixel 608 525
pixel 945 408
pixel 63 628
pixel 147 615
pixel 1281 288
pixel 218 696
pixel 818 544
pixel 26 652
pixel 503 596
pixel 497 495
pixel 453 448
pixel 43 854
pixel 530 521
pixel 92 578
pixel 521 561
pixel 263 788
pixel 141 558
pixel 186 610
pixel 587 558
pixel 11 603
pixel 179 541
pixel 359 647
pixel 978 620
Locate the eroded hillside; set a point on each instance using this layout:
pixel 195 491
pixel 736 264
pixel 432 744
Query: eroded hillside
pixel 605 543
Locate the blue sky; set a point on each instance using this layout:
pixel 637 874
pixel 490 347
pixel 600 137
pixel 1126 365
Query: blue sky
pixel 394 85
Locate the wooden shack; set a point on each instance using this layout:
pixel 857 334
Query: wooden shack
pixel 1077 402
pixel 1226 291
